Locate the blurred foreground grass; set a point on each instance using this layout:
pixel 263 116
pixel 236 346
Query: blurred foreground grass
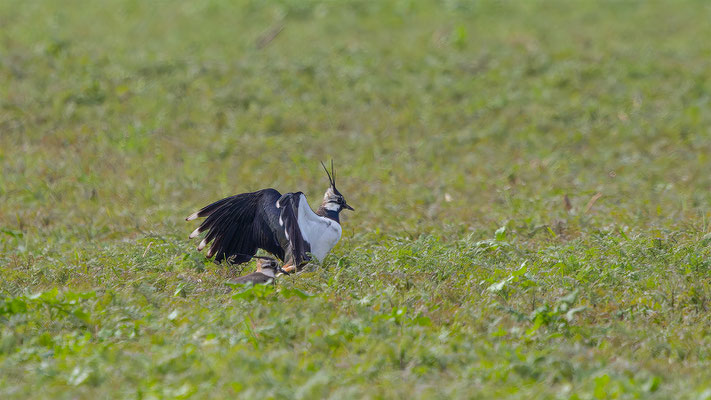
pixel 459 129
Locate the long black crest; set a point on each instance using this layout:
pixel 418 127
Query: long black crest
pixel 332 175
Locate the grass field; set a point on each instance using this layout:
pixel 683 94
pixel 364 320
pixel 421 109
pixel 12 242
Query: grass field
pixel 531 183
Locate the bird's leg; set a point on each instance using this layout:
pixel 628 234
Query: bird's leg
pixel 288 268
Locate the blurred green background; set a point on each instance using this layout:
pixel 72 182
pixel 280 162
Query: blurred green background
pixel 579 128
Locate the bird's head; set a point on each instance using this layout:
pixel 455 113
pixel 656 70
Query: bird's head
pixel 333 200
pixel 268 264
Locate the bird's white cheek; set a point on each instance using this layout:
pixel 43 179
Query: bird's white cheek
pixel 332 206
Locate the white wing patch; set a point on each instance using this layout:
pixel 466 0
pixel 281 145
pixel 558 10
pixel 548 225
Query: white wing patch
pixel 321 233
pixel 281 221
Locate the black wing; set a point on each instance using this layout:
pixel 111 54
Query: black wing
pixel 297 247
pixel 239 225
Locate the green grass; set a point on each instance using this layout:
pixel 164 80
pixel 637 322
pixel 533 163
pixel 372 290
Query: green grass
pixel 458 130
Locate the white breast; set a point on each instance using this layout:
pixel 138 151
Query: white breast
pixel 321 233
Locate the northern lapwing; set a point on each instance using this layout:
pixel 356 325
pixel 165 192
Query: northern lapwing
pixel 283 225
pixel 267 269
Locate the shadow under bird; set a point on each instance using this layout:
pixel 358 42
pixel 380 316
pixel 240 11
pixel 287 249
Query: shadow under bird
pixel 267 269
pixel 283 225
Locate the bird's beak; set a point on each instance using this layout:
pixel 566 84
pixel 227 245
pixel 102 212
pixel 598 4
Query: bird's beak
pixel 347 207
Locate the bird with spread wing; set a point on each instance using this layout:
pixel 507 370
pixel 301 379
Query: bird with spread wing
pixel 283 225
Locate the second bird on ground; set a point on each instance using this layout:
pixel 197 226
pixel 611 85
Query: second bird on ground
pixel 267 269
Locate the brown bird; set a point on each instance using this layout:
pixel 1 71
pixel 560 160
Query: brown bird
pixel 267 268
